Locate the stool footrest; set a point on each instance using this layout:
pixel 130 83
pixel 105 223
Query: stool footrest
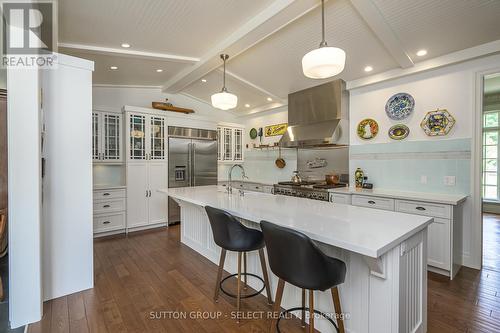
pixel 242 296
pixel 322 314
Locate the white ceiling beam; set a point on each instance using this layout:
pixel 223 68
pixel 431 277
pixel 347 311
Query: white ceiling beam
pixel 254 86
pixel 382 30
pixel 278 15
pixel 92 49
pixel 475 52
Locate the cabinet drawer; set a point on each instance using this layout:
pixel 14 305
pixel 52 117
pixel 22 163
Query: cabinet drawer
pixel 103 223
pixel 340 198
pixel 107 206
pixel 109 194
pixel 373 202
pixel 424 208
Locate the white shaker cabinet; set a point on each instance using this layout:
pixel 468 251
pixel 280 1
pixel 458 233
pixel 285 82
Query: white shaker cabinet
pixel 147 170
pixel 107 137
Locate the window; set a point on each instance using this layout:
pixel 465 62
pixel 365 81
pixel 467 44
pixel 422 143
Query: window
pixel 491 133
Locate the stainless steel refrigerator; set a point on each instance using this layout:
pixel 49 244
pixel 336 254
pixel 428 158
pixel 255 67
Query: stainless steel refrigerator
pixel 192 161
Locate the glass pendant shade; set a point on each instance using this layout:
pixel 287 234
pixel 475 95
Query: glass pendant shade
pixel 323 62
pixel 224 100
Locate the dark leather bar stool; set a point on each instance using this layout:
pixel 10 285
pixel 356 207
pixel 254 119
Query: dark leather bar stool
pixel 295 259
pixel 231 235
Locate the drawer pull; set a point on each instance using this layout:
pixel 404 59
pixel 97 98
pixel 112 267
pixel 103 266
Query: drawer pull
pixel 105 194
pixel 371 202
pixel 106 222
pixel 420 208
pixel 106 206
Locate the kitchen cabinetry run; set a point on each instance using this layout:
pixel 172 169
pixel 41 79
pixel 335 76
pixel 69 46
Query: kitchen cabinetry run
pixel 147 170
pixel 444 243
pixel 107 137
pixel 230 143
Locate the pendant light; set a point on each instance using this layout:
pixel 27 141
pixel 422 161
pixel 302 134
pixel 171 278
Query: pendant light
pixel 224 100
pixel 325 61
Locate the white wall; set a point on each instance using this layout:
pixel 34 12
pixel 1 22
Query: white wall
pixel 25 291
pixel 116 97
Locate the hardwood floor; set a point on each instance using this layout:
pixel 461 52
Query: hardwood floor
pixel 153 271
pixel 491 242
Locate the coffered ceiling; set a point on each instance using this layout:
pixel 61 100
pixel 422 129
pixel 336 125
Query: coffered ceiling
pixel 266 40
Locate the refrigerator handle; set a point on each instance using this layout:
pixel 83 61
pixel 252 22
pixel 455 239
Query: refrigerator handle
pixel 193 164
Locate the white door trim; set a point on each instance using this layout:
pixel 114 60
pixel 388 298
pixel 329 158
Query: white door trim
pixel 476 170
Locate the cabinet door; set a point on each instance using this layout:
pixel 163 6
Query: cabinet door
pixel 157 142
pixel 137 194
pixel 438 244
pixel 96 137
pixel 136 137
pixel 111 137
pixel 238 144
pixel 158 203
pixel 227 143
pixel 219 144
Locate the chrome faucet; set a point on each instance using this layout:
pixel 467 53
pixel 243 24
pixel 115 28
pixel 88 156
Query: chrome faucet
pixel 243 175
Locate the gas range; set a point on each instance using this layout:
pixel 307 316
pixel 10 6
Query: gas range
pixel 306 189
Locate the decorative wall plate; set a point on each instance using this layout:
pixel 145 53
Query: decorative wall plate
pixel 367 129
pixel 399 106
pixel 399 132
pixel 253 133
pixel 437 123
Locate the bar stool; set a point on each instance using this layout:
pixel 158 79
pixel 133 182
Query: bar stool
pixel 231 235
pixel 295 259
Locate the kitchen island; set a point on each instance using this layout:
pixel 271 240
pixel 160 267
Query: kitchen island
pixel 386 283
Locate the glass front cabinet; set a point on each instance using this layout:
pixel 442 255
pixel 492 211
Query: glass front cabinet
pixel 107 137
pixel 230 144
pixel 146 137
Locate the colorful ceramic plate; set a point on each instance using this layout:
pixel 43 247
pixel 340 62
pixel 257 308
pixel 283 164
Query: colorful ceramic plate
pixel 253 133
pixel 399 106
pixel 399 132
pixel 367 129
pixel 437 123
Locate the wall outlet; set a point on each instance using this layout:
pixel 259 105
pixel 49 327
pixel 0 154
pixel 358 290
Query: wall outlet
pixel 423 179
pixel 449 180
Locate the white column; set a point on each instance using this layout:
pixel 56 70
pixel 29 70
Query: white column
pixel 23 105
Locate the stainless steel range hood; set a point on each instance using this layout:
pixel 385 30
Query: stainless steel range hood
pixel 318 117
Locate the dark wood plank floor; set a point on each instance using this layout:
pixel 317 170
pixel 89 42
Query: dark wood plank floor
pixel 153 271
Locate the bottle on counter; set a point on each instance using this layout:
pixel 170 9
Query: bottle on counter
pixel 358 177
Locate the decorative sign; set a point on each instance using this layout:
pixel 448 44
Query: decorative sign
pixel 275 130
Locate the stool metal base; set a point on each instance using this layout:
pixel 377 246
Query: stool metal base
pixel 242 296
pixel 322 314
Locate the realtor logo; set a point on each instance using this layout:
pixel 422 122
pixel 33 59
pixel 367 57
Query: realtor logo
pixel 28 34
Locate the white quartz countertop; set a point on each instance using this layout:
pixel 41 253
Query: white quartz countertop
pixel 449 199
pixel 367 231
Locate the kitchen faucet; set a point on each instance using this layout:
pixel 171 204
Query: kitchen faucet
pixel 243 175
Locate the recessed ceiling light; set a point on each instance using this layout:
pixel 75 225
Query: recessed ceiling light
pixel 114 68
pixel 159 70
pixel 204 80
pixel 126 45
pixel 247 105
pixel 269 99
pixel 422 53
pixel 368 68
